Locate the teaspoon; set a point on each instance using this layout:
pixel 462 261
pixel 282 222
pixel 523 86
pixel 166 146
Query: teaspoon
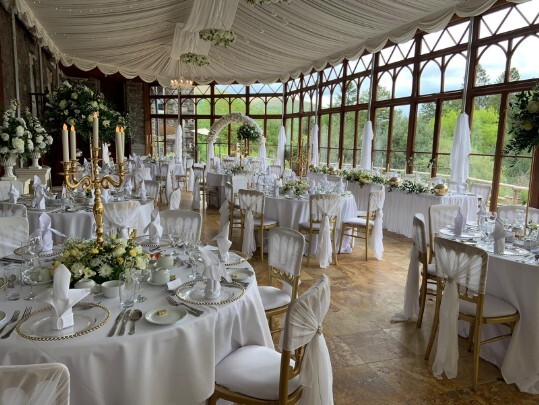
pixel 135 315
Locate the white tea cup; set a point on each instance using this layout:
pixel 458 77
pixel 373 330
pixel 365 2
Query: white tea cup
pixel 111 289
pixel 160 276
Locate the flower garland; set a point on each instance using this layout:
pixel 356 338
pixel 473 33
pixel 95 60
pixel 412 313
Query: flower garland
pixel 194 59
pixel 38 139
pixel 524 115
pixel 75 105
pixel 85 259
pixel 218 37
pixel 248 132
pixel 228 119
pixel 15 138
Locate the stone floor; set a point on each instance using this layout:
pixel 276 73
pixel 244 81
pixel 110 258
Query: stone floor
pixel 375 361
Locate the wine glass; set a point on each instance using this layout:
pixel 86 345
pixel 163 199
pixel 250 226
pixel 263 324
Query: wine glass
pixel 139 275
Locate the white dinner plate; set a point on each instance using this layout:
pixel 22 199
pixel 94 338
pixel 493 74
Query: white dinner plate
pixel 2 315
pixel 171 316
pixel 240 274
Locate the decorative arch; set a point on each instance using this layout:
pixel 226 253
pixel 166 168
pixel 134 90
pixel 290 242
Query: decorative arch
pixel 231 119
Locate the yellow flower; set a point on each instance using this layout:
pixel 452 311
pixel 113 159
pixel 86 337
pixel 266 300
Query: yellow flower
pixel 120 260
pixel 527 126
pixel 132 253
pixel 94 251
pixel 74 95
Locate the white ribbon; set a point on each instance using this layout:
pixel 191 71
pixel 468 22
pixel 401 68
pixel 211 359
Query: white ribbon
pixel 225 215
pixel 325 249
pixel 249 244
pixel 410 310
pixel 196 195
pixel 376 242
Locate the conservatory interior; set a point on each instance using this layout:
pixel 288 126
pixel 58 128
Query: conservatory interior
pixel 269 201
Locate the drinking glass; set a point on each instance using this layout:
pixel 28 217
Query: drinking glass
pixel 30 275
pixel 128 289
pixel 140 275
pixel 12 281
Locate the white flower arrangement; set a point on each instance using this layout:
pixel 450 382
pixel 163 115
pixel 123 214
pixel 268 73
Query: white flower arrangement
pixel 218 37
pixel 38 139
pixel 194 59
pixel 18 136
pixel 230 119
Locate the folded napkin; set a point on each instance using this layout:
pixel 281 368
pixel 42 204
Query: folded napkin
pixel 223 243
pixel 128 187
pixel 142 191
pixel 39 198
pixel 499 237
pixel 37 182
pixel 214 269
pixel 13 194
pixel 45 231
pixel 154 228
pixel 62 299
pixel 276 190
pixel 459 224
pixel 105 195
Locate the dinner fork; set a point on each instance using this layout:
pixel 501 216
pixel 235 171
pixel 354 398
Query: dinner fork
pixel 26 313
pixel 192 311
pixel 14 317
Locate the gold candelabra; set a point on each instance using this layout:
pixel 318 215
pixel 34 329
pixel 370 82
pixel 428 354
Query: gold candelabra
pixel 92 181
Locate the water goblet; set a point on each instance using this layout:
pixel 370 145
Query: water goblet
pixel 140 275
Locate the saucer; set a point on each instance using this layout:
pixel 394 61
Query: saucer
pixel 149 281
pixel 170 316
pixel 240 274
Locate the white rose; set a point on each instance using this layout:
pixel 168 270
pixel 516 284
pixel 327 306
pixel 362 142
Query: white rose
pixel 88 273
pixel 42 145
pixel 49 140
pixel 90 118
pixel 19 131
pixel 3 150
pixel 18 144
pixel 28 134
pixel 105 271
pixel 39 139
pixel 5 137
pixel 62 104
pixel 30 145
pixel 77 269
pixel 140 262
pixel 74 95
pixel 119 251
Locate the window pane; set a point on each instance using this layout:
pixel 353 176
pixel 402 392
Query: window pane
pixel 521 69
pixel 454 72
pixel 450 112
pixel 425 127
pixel 403 84
pixel 481 168
pixel 514 182
pixel 491 64
pixel 430 77
pixel 485 124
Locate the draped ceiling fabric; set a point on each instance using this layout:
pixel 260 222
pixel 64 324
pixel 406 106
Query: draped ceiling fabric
pixel 275 42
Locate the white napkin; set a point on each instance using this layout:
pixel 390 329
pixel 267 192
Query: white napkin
pixel 223 243
pixel 142 191
pixel 154 228
pixel 459 224
pixel 128 186
pixel 62 299
pixel 45 230
pixel 13 194
pixel 105 195
pixel 39 198
pixel 37 182
pixel 499 237
pixel 214 269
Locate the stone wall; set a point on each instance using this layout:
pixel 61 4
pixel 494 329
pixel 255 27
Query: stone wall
pixel 135 108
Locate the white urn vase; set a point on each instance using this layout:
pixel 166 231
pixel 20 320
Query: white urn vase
pixel 35 160
pixel 8 161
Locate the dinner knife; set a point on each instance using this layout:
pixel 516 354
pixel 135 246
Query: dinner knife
pixel 116 322
pixel 124 322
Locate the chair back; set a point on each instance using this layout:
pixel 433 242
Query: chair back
pixel 303 327
pixel 440 216
pixel 121 216
pixel 420 237
pixel 175 199
pixel 12 210
pixel 152 189
pixel 276 170
pixel 511 212
pixel 44 384
pixel 252 200
pixel 198 171
pixel 482 191
pixel 255 164
pixel 13 231
pixel 142 173
pixel 376 203
pixel 5 186
pixel 285 252
pixel 183 222
pixel 321 205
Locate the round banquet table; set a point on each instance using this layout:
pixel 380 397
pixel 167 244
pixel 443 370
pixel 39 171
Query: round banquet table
pixel 81 223
pixel 172 364
pixel 289 212
pixel 219 180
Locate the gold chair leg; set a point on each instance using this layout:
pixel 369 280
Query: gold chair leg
pixel 434 322
pixel 335 245
pixel 477 349
pixel 213 400
pixel 342 236
pixel 471 333
pixel 262 243
pixel 422 300
pixel 367 242
pixel 310 245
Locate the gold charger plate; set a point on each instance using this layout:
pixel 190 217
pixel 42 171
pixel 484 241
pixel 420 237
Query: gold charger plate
pixel 144 241
pixel 88 317
pixel 236 258
pixel 192 292
pixel 56 251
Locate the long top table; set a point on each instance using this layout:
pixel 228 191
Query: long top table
pixel 172 364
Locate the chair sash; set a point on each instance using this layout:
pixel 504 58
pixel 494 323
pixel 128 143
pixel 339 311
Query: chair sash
pixel 196 189
pixel 174 200
pixel 249 204
pixel 463 266
pixel 122 215
pixel 376 203
pixel 324 209
pixel 304 327
pixel 224 211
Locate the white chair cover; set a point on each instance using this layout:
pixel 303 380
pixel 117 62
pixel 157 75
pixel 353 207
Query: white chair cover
pixel 13 231
pixel 169 183
pixel 10 210
pixel 5 186
pixel 324 207
pixel 224 210
pixel 141 174
pixel 376 204
pixel 122 215
pixel 198 177
pixel 410 310
pixel 35 384
pixel 482 190
pixel 185 222
pixel 509 212
pixel 175 199
pixel 251 202
pixel 457 264
pixel 304 327
pixel 152 189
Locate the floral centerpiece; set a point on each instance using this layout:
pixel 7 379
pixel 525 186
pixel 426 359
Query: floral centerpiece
pixel 237 169
pixel 39 142
pixel 75 105
pixel 297 187
pixel 194 59
pixel 85 259
pixel 248 132
pixel 524 122
pixel 218 36
pixel 358 176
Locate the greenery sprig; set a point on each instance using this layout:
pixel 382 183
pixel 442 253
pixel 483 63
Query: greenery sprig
pixel 218 37
pixel 248 132
pixel 194 59
pixel 524 122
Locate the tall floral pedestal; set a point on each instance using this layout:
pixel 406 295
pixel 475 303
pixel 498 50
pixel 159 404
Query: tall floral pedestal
pixel 8 161
pixel 35 160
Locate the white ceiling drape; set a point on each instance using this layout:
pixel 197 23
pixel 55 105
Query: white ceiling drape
pixel 275 42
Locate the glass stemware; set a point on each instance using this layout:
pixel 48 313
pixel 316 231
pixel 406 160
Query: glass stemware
pixel 139 275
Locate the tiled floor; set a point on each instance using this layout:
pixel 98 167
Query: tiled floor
pixel 375 361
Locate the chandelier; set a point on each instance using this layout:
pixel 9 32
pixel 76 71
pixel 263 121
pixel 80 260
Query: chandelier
pixel 181 83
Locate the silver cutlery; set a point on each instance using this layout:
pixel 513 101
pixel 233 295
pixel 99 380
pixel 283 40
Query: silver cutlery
pixel 26 313
pixel 192 311
pixel 124 323
pixel 136 314
pixel 116 322
pixel 14 317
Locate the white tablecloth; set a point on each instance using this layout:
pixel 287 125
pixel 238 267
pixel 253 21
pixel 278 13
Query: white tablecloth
pixel 400 208
pixel 518 356
pixel 219 180
pixel 172 364
pixel 290 212
pixel 82 223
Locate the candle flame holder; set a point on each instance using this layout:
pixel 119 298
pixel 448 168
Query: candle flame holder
pixel 92 181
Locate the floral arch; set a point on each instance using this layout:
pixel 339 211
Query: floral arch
pixel 231 119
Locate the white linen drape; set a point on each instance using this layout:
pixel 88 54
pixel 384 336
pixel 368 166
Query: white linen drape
pixel 304 327
pixel 325 207
pixel 314 146
pixel 376 202
pixel 365 161
pixel 249 203
pixel 211 153
pixel 198 177
pixel 462 266
pixel 262 152
pixel 121 215
pixel 460 151
pixel 281 145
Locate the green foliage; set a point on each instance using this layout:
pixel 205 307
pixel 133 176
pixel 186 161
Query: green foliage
pixel 524 119
pixel 248 132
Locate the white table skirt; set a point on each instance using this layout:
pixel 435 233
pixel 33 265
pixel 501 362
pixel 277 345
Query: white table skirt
pixel 290 212
pixel 400 208
pixel 517 356
pixel 219 180
pixel 82 223
pixel 172 364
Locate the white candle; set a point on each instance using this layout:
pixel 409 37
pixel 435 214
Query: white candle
pixel 65 143
pixel 95 131
pixel 73 143
pixel 122 143
pixel 118 139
